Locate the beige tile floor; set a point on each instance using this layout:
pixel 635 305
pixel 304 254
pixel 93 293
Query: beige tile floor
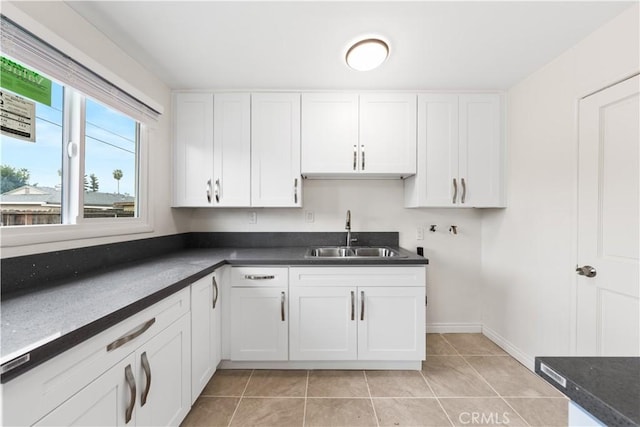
pixel 466 380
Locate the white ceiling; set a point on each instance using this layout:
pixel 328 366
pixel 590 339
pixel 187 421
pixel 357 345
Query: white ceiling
pixel 301 45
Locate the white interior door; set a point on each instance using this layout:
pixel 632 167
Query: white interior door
pixel 608 304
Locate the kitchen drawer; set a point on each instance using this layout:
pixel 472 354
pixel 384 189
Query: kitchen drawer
pixel 259 276
pixel 35 393
pixel 358 276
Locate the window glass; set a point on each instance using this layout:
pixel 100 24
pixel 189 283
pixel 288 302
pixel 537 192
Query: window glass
pixel 111 153
pixel 31 172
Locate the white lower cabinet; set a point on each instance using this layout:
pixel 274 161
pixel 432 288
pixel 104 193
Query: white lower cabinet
pixel 163 376
pixel 323 323
pixel 104 402
pixel 137 372
pixel 357 313
pixel 205 332
pixel 392 323
pixel 148 388
pixel 259 314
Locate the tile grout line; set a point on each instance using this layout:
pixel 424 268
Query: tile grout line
pixel 241 397
pixel 306 393
pixel 436 396
pixel 433 391
pixel 486 381
pixel 375 414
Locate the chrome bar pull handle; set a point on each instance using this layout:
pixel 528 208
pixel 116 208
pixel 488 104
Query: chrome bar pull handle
pixel 353 305
pixel 209 191
pixel 361 305
pixel 147 371
pixel 455 191
pixel 217 190
pixel 215 291
pixel 259 277
pixel 464 190
pixel 131 381
pixel 131 336
pixel 362 153
pixel 295 190
pixel 282 300
pixel 355 157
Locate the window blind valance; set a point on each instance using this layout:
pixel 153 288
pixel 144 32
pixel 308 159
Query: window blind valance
pixel 23 46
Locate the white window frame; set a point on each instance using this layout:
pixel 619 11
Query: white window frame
pixel 95 227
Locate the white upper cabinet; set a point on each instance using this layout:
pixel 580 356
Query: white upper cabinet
pixel 388 134
pixel 329 133
pixel 460 152
pixel 232 149
pixel 275 150
pixel 193 149
pixel 351 135
pixel 481 155
pixel 237 150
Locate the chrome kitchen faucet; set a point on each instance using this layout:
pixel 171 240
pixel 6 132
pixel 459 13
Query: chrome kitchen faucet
pixel 348 228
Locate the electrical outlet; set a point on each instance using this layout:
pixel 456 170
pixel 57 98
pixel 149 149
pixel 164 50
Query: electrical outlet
pixel 420 233
pixel 308 216
pixel 253 217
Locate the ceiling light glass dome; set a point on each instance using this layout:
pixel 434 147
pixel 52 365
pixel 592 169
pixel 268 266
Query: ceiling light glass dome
pixel 367 54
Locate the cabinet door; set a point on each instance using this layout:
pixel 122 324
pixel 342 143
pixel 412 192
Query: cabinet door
pixel 164 376
pixel 391 323
pixel 193 149
pixel 388 134
pixel 434 184
pixel 323 323
pixel 329 133
pixel 104 402
pixel 205 333
pixel 481 151
pixel 275 150
pixel 232 149
pixel 217 322
pixel 259 324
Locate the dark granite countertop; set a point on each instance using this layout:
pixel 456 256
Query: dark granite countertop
pixel 46 321
pixel 606 387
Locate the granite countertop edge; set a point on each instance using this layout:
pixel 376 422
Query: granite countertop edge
pixel 151 281
pixel 583 394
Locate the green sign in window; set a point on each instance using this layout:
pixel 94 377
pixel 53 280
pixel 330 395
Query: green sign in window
pixel 25 82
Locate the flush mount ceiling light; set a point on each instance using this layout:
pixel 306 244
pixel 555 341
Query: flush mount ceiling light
pixel 367 54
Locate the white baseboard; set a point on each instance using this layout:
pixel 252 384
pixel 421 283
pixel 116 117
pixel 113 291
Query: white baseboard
pixel 507 346
pixel 453 328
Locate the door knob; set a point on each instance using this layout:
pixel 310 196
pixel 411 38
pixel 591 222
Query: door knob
pixel 586 270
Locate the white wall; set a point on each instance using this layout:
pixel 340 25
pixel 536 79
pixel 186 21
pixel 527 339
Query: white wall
pixel 529 249
pixel 453 283
pixel 67 24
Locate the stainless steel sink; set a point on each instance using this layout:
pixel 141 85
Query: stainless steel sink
pixel 352 252
pixel 376 252
pixel 338 252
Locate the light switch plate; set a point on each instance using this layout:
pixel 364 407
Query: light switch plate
pixel 308 216
pixel 253 217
